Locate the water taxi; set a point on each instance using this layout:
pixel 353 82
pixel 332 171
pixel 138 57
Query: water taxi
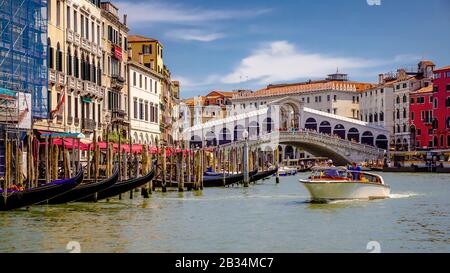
pixel 333 183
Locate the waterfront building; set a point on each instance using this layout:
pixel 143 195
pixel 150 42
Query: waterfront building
pixel 74 45
pixel 408 82
pixel 376 104
pixel 149 52
pixel 144 104
pixel 421 117
pixel 335 95
pixel 201 109
pixel 115 72
pixel 441 108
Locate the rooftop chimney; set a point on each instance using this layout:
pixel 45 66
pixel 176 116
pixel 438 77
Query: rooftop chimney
pixel 380 78
pixel 125 19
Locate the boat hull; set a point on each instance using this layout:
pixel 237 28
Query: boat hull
pixel 323 191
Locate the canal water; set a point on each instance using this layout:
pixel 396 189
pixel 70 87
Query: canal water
pixel 266 217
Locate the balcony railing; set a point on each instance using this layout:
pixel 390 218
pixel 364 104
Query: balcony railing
pixel 117 81
pixel 89 124
pixel 59 118
pixel 76 39
pixel 69 36
pixel 69 120
pixel 71 82
pixel 86 44
pixel 61 78
pixel 52 75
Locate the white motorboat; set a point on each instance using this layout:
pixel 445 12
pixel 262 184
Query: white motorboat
pixel 331 183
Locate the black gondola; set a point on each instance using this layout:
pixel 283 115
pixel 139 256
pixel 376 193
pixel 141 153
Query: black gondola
pixel 120 187
pixel 261 175
pixel 211 181
pixel 39 194
pixel 86 189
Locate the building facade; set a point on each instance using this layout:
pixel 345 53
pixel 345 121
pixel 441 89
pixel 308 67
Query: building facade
pixel 115 71
pixel 408 82
pixel 149 52
pixel 441 108
pixel 335 95
pixel 421 117
pixel 144 104
pixel 75 91
pixel 377 104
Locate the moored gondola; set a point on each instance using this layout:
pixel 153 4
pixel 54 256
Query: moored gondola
pixel 261 175
pixel 86 189
pixel 210 181
pixel 31 196
pixel 120 187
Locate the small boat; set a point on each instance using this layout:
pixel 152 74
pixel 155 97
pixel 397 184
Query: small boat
pixel 31 196
pixel 86 189
pixel 120 187
pixel 285 171
pixel 261 175
pixel 331 183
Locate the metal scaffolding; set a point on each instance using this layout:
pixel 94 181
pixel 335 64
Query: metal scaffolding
pixel 23 50
pixel 23 66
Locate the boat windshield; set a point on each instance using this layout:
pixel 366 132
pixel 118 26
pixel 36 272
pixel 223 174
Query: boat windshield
pixel 330 173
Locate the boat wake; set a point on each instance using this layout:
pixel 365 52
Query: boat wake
pixel 403 195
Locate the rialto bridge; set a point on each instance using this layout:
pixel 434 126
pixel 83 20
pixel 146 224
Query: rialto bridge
pixel 287 125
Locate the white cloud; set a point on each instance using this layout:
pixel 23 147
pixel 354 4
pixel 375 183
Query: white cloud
pixel 194 35
pixel 163 12
pixel 282 61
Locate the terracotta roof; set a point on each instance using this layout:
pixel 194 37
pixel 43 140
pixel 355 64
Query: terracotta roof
pixel 309 87
pixel 139 38
pixel 223 93
pixel 442 69
pixel 427 89
pixel 427 62
pixel 190 101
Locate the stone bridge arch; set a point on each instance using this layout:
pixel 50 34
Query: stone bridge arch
pixel 320 150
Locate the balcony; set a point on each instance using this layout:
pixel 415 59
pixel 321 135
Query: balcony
pixel 119 115
pixel 79 84
pixel 89 89
pixel 72 83
pixel 88 125
pixel 117 81
pixel 51 75
pixel 69 36
pixel 101 91
pixel 85 44
pixel 61 78
pixel 69 120
pixel 76 39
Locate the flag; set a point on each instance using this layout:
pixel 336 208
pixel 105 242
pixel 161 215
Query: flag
pixel 59 107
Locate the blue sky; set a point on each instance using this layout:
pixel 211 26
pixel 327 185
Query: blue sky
pixel 226 45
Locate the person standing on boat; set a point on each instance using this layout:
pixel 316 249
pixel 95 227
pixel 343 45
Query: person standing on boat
pixel 355 171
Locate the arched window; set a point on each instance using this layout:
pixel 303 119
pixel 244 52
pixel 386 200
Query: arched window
pixel 375 117
pixel 398 113
pixel 404 99
pixel 398 99
pixel 370 118
pixel 311 124
pixel 69 62
pixel 325 128
pixel 381 142
pixel 404 113
pixel 58 58
pixel 339 130
pixel 381 116
pixel 404 128
pixel 99 74
pixel 367 138
pixel 76 64
pixel 353 135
